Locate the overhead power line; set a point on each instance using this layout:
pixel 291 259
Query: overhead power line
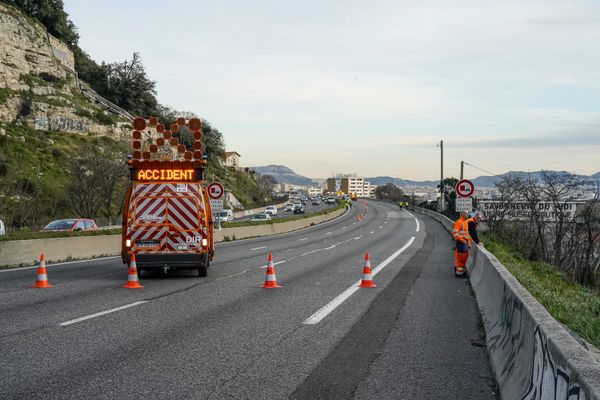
pixel 481 169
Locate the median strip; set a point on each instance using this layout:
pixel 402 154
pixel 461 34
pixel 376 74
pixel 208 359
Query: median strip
pixel 112 310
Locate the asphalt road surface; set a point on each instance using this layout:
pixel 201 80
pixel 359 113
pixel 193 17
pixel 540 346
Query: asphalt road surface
pixel 415 336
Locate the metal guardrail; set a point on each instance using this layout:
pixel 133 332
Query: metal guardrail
pixel 91 94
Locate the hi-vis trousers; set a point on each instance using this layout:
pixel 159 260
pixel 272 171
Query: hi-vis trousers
pixel 461 256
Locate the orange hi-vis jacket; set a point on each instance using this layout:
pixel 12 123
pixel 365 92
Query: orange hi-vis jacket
pixel 461 231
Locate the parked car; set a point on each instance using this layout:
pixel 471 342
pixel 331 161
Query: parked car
pixel 271 210
pixel 261 217
pixel 298 209
pixel 2 228
pixel 71 225
pixel 225 215
pixel 330 200
pixel 289 207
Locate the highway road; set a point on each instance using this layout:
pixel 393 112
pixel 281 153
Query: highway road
pixel 281 213
pixel 415 336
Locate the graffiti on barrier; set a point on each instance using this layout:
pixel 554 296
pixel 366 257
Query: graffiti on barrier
pixel 505 335
pixel 549 380
pixel 60 124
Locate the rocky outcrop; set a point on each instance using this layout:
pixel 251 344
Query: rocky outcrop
pixel 38 82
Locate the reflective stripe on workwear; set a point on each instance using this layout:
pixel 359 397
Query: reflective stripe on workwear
pixel 461 230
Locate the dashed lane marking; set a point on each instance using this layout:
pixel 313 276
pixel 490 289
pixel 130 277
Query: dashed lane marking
pixel 112 310
pixel 258 248
pixel 333 304
pixel 372 232
pixel 302 239
pixel 328 233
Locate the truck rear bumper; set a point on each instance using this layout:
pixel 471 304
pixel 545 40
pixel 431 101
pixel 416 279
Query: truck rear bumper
pixel 178 261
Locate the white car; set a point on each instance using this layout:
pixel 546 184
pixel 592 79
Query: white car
pixel 261 217
pixel 225 216
pixel 271 210
pixel 289 207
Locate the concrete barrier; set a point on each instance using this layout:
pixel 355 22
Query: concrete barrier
pixel 27 252
pixel 245 213
pixel 532 354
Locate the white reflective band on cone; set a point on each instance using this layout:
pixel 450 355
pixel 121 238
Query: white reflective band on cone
pixel 42 277
pixel 270 278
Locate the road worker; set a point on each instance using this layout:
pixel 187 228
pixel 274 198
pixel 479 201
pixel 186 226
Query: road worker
pixel 472 222
pixel 463 241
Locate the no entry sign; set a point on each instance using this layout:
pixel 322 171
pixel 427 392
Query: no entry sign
pixel 215 190
pixel 465 188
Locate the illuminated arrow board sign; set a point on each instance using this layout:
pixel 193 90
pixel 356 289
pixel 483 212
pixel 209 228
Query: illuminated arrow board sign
pixel 216 192
pixel 168 175
pixel 465 188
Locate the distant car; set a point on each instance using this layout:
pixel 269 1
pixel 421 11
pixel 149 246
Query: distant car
pixel 330 200
pixel 298 209
pixel 271 210
pixel 289 207
pixel 225 215
pixel 261 217
pixel 316 202
pixel 71 225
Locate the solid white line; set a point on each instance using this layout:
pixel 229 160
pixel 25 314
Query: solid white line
pixel 63 263
pixel 328 233
pixel 112 310
pixel 416 221
pixel 302 239
pixel 258 248
pixel 333 304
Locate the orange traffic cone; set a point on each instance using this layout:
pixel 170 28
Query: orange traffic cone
pixel 367 280
pixel 42 276
pixel 271 279
pixel 132 276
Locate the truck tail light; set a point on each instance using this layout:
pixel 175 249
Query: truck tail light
pixel 204 242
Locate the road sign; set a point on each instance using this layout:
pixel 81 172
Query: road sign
pixel 216 190
pixel 465 188
pixel 464 203
pixel 216 205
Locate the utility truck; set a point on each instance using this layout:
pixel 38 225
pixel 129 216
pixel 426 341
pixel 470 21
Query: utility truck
pixel 167 219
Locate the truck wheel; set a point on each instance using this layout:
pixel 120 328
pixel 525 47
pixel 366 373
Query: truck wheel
pixel 203 269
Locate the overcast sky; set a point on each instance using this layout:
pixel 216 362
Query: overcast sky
pixel 372 86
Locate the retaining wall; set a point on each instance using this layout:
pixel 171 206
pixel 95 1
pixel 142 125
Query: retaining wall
pixel 27 252
pixel 532 354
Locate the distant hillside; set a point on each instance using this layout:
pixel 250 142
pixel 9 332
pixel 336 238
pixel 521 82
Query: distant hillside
pixel 481 181
pixel 283 174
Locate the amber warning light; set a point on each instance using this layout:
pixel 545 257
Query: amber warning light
pixel 164 174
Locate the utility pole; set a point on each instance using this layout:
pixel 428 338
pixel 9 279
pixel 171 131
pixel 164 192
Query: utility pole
pixel 462 169
pixel 441 205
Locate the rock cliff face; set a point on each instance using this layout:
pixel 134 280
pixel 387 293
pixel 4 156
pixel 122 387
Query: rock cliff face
pixel 38 83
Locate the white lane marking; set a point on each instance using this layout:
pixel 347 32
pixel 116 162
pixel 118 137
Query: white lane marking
pixel 372 232
pixel 380 226
pixel 358 237
pixel 328 233
pixel 302 239
pixel 63 263
pixel 344 227
pixel 330 247
pixel 385 222
pixel 232 275
pixel 112 310
pixel 354 223
pixel 258 248
pixel 416 222
pixel 277 263
pixel 333 304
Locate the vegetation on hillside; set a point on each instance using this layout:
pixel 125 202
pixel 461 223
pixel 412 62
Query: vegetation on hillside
pixel 574 305
pixel 46 174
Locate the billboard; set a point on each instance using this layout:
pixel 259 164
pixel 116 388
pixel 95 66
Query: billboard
pixel 524 211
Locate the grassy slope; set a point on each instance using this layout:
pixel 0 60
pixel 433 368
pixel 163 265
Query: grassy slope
pixel 574 305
